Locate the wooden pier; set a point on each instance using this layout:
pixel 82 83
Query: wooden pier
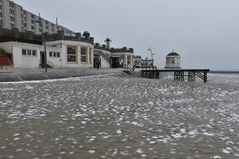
pixel 179 74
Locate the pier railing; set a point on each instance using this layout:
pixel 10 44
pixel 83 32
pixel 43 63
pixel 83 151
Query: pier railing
pixel 150 72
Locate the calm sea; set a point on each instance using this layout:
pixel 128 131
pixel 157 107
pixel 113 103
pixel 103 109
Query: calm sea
pixel 231 78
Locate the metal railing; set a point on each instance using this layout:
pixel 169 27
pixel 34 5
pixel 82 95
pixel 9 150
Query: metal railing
pixel 130 70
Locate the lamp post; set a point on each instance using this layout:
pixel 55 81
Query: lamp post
pixel 151 52
pixel 44 42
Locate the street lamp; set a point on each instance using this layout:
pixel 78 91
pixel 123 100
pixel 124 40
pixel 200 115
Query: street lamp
pixel 43 41
pixel 151 52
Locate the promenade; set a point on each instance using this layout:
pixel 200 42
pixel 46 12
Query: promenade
pixel 52 73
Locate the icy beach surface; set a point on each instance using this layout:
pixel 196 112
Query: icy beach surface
pixel 119 117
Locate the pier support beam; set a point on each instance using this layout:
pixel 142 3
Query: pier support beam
pixel 191 76
pixel 179 75
pixel 205 77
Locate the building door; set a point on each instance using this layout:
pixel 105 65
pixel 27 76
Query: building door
pixel 115 62
pixel 96 57
pixel 42 58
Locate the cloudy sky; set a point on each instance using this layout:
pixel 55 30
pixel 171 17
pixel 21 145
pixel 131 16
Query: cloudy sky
pixel 204 32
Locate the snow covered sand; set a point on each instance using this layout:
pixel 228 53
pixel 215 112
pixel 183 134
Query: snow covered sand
pixel 118 117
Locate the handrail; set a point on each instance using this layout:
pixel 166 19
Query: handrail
pixel 130 69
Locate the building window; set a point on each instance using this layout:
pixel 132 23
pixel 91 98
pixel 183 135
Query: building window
pixel 0 6
pixel 11 4
pixel 27 52
pixel 71 54
pixel 33 16
pixel 128 59
pixel 13 26
pixel 12 18
pixel 12 11
pixel 34 52
pixel 83 54
pixel 24 52
pixel 0 14
pixel 54 54
pixel 33 28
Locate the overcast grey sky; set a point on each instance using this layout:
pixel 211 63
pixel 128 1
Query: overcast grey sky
pixel 204 32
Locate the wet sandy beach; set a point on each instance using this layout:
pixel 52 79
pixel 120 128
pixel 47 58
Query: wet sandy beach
pixel 118 117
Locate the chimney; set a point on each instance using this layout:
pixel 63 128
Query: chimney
pixel 108 43
pixel 86 34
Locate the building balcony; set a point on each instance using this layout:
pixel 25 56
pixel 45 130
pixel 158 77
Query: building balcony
pixel 122 50
pixel 101 47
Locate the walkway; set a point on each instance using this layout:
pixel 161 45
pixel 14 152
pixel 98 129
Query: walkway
pixel 40 74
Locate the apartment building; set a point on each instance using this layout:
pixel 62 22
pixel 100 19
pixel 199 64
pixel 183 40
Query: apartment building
pixel 13 15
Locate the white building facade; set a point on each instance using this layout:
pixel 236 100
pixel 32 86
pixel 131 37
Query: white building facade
pixel 147 62
pixel 113 57
pixel 173 60
pixel 67 54
pixel 137 61
pixel 124 56
pixel 73 54
pixel 62 52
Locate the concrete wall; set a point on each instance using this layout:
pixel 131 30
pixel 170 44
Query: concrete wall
pixel 104 63
pixel 20 61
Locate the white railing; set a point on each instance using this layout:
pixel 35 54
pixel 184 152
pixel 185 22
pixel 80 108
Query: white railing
pixel 130 69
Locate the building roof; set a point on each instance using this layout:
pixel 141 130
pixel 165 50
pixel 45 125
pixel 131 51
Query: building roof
pixel 173 54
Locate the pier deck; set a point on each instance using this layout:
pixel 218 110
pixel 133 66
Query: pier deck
pixel 179 74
